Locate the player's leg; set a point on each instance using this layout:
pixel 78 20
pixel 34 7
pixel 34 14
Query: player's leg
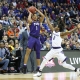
pixel 62 58
pixel 48 56
pixel 32 61
pixel 37 48
pixel 28 51
pixel 69 66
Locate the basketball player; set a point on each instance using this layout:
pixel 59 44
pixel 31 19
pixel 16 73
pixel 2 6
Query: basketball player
pixel 57 50
pixel 33 41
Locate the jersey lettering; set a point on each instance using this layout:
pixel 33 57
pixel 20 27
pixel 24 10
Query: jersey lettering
pixel 36 24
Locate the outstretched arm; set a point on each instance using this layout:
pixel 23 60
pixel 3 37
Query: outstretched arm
pixel 41 14
pixel 69 32
pixel 50 25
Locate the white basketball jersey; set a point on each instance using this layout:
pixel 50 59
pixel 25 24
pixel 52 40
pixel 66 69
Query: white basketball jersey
pixel 56 39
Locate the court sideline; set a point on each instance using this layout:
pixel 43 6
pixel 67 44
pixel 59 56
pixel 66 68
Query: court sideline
pixel 45 76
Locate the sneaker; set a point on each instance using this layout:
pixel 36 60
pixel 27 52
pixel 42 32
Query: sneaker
pixel 38 74
pixel 78 71
pixel 23 69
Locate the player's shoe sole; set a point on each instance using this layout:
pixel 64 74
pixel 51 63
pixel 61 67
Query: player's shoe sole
pixel 38 74
pixel 78 72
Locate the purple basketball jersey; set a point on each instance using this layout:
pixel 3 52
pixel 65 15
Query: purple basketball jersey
pixel 35 29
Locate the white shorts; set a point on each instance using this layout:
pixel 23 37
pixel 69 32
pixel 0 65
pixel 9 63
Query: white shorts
pixel 55 54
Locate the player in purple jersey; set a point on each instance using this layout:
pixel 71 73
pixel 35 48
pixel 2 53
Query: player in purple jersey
pixel 33 42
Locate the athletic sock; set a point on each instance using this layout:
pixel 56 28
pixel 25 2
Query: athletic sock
pixel 37 68
pixel 25 64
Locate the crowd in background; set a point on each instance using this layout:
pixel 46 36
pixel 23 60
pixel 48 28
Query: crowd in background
pixel 13 21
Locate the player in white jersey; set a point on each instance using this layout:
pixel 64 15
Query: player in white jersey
pixel 57 50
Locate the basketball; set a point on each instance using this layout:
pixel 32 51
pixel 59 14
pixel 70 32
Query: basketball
pixel 32 9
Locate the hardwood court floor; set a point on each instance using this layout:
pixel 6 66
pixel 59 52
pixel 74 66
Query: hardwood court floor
pixel 45 76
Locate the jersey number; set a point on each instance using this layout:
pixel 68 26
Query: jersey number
pixel 53 37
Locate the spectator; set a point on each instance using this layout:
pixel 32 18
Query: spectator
pixel 77 46
pixel 79 6
pixel 6 21
pixel 48 43
pixel 49 8
pixel 53 16
pixel 14 3
pixel 16 31
pixel 1 31
pixel 5 38
pixel 39 4
pixel 16 41
pixel 3 61
pixel 63 44
pixel 8 54
pixel 16 55
pixel 1 12
pixel 5 9
pixel 10 31
pixel 11 45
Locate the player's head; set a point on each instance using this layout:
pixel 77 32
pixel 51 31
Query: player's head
pixel 59 26
pixel 56 27
pixel 34 17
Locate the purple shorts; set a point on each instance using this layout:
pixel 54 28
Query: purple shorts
pixel 34 43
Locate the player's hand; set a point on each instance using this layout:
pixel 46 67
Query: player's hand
pixel 78 25
pixel 29 12
pixel 36 9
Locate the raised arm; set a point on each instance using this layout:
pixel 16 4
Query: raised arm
pixel 41 14
pixel 71 31
pixel 50 25
pixel 29 17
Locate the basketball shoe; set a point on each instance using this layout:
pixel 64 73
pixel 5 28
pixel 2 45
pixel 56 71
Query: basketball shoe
pixel 38 74
pixel 24 69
